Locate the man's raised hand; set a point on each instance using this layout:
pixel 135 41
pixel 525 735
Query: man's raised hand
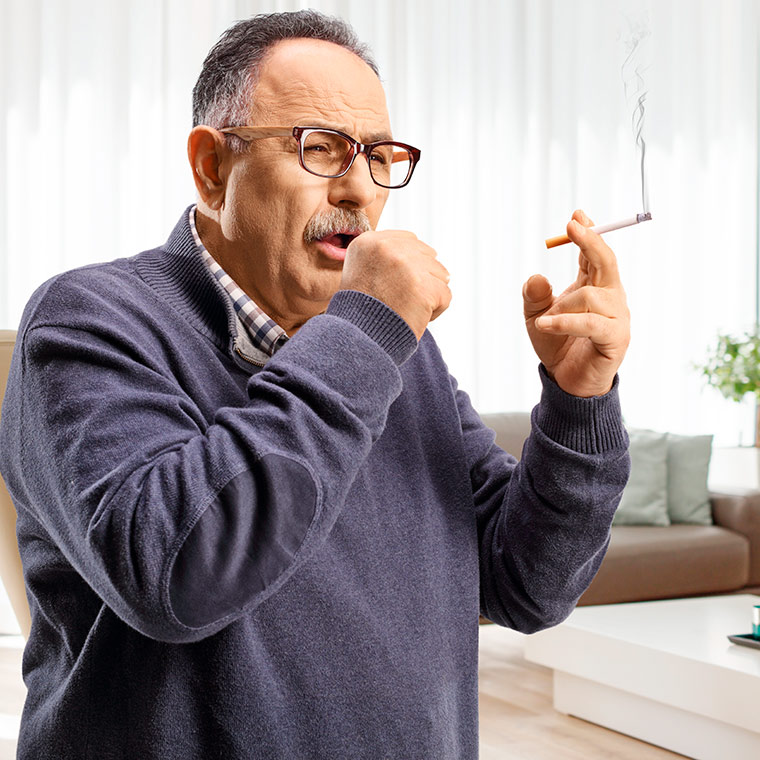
pixel 582 335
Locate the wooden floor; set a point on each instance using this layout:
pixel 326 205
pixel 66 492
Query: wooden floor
pixel 517 720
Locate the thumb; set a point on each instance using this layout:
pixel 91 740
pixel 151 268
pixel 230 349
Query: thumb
pixel 537 296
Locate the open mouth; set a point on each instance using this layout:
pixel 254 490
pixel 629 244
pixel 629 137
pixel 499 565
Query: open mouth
pixel 340 239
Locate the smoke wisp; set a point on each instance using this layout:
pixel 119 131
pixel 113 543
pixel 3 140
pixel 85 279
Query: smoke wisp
pixel 636 41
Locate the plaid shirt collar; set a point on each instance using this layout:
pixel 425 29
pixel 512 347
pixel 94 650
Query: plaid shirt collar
pixel 264 332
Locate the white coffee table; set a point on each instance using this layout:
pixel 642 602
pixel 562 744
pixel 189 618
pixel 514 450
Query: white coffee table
pixel 663 672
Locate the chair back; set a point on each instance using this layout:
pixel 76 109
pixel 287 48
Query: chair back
pixel 11 573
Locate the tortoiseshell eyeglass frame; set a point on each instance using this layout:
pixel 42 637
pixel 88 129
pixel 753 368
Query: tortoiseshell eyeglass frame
pixel 250 133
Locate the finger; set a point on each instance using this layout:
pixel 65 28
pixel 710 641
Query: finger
pixel 602 266
pixel 438 270
pixel 395 234
pixel 604 301
pixel 580 216
pixel 598 329
pixel 410 239
pixel 444 300
pixel 415 244
pixel 537 295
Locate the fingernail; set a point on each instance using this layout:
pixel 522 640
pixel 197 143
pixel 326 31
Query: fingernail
pixel 579 228
pixel 544 322
pixel 585 219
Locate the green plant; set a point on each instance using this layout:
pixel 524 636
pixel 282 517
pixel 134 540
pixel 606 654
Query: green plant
pixel 733 367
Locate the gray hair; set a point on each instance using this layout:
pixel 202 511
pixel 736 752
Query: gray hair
pixel 223 94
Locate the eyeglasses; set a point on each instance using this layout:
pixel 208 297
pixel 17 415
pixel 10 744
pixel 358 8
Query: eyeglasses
pixel 330 153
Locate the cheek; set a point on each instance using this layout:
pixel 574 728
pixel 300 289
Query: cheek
pixel 271 203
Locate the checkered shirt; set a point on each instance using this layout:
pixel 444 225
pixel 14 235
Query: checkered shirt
pixel 265 333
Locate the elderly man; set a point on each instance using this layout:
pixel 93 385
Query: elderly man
pixel 257 517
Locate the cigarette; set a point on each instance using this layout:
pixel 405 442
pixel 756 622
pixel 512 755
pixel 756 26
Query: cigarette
pixel 601 228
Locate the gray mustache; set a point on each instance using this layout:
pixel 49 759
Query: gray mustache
pixel 338 220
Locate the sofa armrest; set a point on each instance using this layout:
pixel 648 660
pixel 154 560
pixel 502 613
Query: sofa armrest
pixel 739 511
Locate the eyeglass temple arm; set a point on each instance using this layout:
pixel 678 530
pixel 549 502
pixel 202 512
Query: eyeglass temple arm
pixel 253 133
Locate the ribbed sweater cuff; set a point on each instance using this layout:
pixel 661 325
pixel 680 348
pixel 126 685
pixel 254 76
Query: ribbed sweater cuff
pixel 378 321
pixel 587 425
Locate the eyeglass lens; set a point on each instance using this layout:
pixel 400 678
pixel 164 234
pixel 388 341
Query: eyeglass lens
pixel 327 154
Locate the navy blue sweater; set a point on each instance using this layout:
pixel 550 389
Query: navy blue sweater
pixel 229 560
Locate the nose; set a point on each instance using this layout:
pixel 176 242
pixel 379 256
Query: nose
pixel 356 187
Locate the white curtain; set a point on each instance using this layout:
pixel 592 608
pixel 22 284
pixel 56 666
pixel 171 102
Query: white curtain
pixel 520 111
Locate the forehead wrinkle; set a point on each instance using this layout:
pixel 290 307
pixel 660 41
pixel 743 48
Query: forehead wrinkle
pixel 366 123
pixel 303 84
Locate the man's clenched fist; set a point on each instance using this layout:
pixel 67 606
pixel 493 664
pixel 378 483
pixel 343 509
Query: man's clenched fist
pixel 402 272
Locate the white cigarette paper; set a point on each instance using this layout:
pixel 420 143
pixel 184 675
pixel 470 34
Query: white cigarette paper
pixel 602 228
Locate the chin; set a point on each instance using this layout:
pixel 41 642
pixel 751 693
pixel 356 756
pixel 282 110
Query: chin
pixel 322 289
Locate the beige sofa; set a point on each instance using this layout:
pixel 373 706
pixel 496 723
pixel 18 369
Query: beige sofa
pixel 651 562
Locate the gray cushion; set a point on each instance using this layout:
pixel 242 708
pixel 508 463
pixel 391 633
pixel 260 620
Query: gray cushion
pixel 644 499
pixel 688 465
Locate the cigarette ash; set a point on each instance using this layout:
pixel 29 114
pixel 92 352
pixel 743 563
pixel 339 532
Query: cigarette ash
pixel 636 41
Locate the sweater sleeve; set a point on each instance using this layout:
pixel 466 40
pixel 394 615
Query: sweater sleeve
pixel 181 524
pixel 544 523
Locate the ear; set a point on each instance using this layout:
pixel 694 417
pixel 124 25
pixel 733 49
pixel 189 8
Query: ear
pixel 206 151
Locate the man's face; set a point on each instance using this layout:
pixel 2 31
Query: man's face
pixel 270 199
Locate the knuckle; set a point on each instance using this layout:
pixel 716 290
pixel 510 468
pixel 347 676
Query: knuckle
pixel 390 251
pixel 558 323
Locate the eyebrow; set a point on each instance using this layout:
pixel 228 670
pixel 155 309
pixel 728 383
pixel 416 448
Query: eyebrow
pixel 375 137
